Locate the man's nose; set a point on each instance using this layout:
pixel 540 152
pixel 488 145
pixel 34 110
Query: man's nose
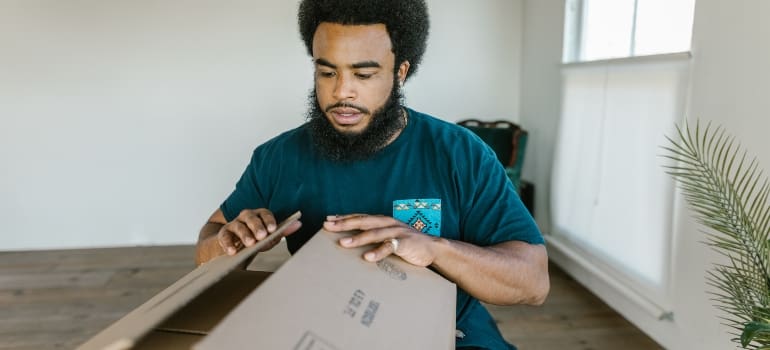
pixel 344 88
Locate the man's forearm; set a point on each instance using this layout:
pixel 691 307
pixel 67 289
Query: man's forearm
pixel 504 274
pixel 208 247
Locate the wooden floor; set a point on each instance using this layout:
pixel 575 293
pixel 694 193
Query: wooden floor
pixel 58 299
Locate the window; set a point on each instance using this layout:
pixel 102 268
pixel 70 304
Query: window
pixel 611 201
pixel 604 29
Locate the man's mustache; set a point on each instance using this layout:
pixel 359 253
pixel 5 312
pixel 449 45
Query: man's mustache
pixel 347 105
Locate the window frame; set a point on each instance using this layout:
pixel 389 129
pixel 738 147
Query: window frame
pixel 572 49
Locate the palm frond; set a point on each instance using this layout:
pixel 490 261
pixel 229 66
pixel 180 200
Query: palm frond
pixel 728 193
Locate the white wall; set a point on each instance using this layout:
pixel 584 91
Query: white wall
pixel 472 66
pixel 541 96
pixel 730 84
pixel 129 122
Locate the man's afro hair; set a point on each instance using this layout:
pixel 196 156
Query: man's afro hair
pixel 406 21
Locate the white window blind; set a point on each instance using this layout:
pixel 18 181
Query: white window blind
pixel 611 199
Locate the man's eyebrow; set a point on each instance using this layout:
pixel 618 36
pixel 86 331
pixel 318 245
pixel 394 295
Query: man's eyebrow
pixel 357 65
pixel 366 64
pixel 323 62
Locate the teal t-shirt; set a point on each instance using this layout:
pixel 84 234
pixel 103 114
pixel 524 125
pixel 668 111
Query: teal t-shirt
pixel 436 176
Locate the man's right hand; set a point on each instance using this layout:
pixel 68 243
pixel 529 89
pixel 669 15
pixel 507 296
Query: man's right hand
pixel 219 237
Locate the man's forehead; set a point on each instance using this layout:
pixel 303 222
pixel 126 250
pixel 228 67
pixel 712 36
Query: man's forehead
pixel 379 29
pixel 344 44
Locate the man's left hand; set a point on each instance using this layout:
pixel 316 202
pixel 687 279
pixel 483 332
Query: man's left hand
pixel 414 247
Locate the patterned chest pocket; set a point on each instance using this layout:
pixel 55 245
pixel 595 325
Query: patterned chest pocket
pixel 423 215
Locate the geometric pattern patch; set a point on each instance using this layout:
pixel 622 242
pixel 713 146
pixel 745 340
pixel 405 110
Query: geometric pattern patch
pixel 423 215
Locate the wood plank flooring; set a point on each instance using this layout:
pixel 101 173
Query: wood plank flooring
pixel 58 299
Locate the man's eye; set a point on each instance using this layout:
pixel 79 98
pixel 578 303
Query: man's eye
pixel 326 74
pixel 364 76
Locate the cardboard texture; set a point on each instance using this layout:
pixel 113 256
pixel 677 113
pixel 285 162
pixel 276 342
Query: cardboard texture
pixel 324 298
pixel 328 298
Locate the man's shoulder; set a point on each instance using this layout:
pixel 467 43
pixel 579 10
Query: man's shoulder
pixel 287 141
pixel 441 127
pixel 447 133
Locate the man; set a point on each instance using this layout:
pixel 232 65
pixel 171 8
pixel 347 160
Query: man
pixel 425 190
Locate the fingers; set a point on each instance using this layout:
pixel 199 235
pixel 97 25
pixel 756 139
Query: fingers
pixel 382 237
pixel 358 222
pixel 293 227
pixel 242 231
pixel 260 222
pixel 341 217
pixel 412 246
pixel 370 237
pixel 228 241
pixel 250 227
pixel 379 253
pixel 376 229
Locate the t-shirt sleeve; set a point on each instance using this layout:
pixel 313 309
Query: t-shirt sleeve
pixel 247 194
pixel 495 213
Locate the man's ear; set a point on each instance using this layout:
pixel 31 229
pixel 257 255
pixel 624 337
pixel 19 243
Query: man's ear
pixel 403 69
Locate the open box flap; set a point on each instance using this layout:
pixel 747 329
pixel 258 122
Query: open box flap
pixel 127 331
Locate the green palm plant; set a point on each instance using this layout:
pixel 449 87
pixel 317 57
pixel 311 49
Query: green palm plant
pixel 729 195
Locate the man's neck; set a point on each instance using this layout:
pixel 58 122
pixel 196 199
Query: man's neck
pixel 405 118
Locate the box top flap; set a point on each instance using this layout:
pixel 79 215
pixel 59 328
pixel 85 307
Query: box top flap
pixel 127 331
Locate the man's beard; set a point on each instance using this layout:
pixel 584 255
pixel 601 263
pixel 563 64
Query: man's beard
pixel 351 146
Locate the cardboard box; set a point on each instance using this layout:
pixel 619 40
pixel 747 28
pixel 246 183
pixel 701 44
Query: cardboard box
pixel 324 298
pixel 328 297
